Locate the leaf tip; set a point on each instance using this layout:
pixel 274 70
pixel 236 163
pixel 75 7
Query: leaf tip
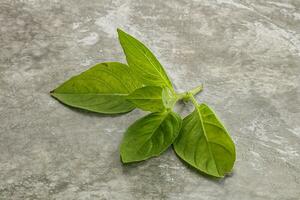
pixel 120 31
pixel 51 92
pixel 124 160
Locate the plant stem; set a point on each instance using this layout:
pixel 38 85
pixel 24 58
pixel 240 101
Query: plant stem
pixel 196 90
pixel 185 96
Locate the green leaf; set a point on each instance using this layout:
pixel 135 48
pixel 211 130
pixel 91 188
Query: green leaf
pixel 204 143
pixel 148 98
pixel 103 88
pixel 150 136
pixel 143 62
pixel 153 98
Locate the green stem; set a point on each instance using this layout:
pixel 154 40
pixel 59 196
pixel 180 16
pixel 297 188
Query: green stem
pixel 196 90
pixel 185 96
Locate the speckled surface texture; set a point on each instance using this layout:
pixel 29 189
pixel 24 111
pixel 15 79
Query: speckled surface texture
pixel 247 54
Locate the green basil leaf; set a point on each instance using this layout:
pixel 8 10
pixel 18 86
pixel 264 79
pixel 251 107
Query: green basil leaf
pixel 150 136
pixel 204 143
pixel 144 63
pixel 148 98
pixel 103 88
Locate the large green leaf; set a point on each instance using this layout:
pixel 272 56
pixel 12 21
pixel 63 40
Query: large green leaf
pixel 145 65
pixel 150 136
pixel 148 98
pixel 204 143
pixel 103 88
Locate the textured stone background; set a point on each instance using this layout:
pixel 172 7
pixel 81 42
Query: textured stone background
pixel 247 53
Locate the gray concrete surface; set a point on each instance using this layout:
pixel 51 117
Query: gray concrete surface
pixel 247 53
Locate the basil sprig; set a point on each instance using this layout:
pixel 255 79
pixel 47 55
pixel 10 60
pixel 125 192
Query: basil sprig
pixel 200 139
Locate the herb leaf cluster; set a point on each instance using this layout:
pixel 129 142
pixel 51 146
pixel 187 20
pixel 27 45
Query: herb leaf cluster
pixel 200 139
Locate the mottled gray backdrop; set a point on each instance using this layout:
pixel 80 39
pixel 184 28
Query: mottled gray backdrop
pixel 247 54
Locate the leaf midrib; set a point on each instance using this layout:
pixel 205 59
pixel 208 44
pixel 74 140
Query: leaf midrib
pixel 153 132
pixel 206 138
pixel 158 98
pixel 96 94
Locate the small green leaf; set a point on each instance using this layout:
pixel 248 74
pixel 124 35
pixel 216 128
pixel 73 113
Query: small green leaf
pixel 148 98
pixel 150 136
pixel 103 88
pixel 169 98
pixel 204 143
pixel 144 64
